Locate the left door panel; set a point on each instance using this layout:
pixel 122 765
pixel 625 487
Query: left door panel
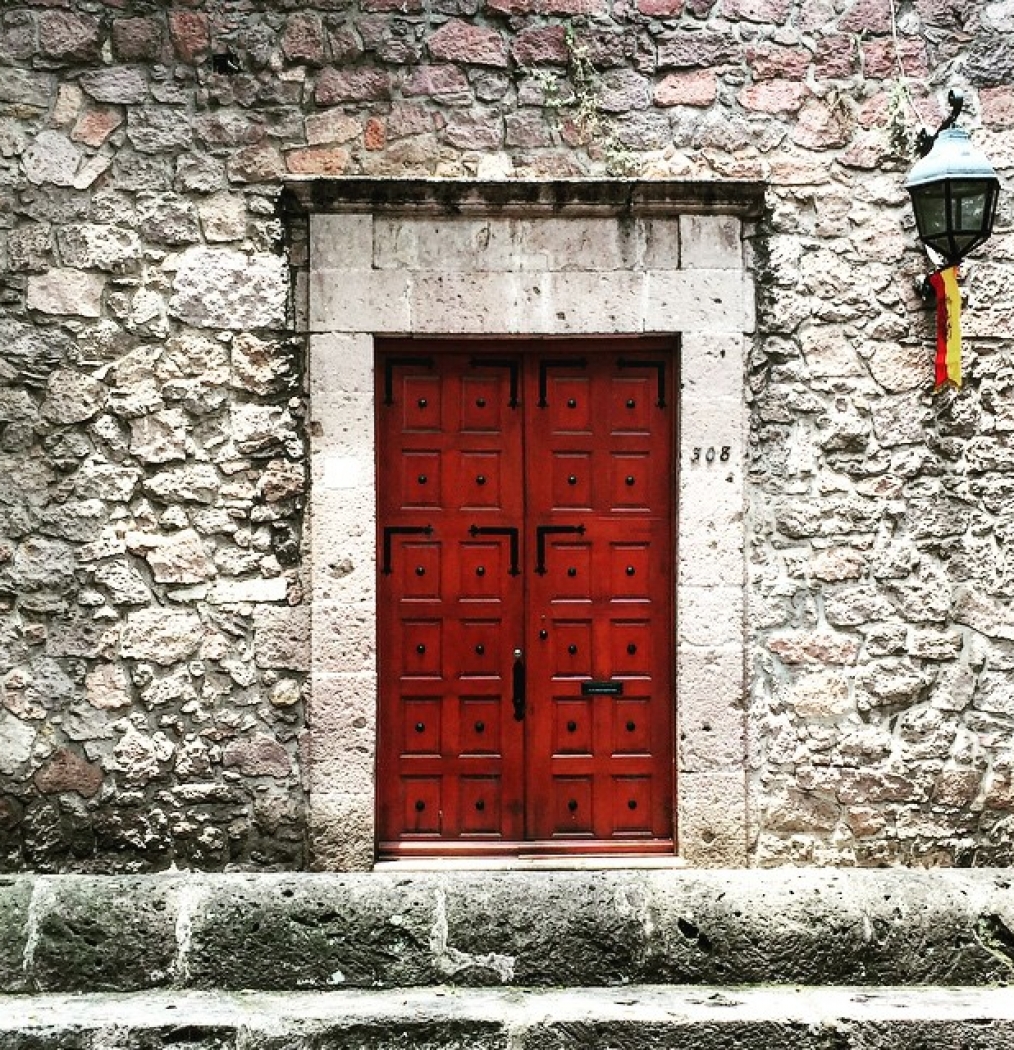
pixel 450 459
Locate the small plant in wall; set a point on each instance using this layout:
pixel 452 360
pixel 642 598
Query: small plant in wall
pixel 582 103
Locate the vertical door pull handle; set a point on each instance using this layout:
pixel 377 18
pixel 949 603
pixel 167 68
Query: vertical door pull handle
pixel 541 531
pixel 518 683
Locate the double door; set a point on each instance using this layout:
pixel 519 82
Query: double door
pixel 525 557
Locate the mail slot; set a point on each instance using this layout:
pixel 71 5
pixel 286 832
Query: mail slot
pixel 602 689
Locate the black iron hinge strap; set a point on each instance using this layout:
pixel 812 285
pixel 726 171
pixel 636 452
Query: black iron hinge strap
pixel 391 363
pixel 400 530
pixel 502 362
pixel 495 530
pixel 562 362
pixel 659 366
pixel 541 532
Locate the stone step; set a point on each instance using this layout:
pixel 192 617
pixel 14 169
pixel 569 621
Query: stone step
pixel 645 1017
pixel 524 928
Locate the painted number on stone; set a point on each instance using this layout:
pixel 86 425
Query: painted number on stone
pixel 709 455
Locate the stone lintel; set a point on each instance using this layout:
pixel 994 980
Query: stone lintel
pixel 571 197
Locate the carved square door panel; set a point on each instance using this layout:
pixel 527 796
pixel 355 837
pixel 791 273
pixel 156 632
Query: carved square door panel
pixel 525 541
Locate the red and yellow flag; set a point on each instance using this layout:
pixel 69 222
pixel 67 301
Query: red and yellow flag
pixel 945 285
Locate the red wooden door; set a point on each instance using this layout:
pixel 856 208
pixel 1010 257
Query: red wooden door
pixel 525 598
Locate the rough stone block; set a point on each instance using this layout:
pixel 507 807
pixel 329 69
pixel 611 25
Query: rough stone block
pixel 711 242
pixel 99 934
pixel 68 292
pixel 711 712
pixel 579 303
pixel 459 41
pixel 589 244
pixel 712 365
pixel 712 818
pixel 282 638
pixel 459 303
pixel 659 243
pixel 163 636
pixel 359 301
pixel 344 637
pixel 222 288
pixel 341 242
pixel 341 830
pixel 712 301
pixel 342 719
pixel 344 425
pixel 456 245
pixel 711 616
pixel 340 363
pixel 15 898
pixel 312 932
pixel 565 928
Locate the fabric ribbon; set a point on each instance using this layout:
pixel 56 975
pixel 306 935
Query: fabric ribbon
pixel 948 295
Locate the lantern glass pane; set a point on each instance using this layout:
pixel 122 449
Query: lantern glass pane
pixel 968 205
pixel 930 210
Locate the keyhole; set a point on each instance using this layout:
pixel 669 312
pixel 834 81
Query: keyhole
pixel 630 570
pixel 572 727
pixel 480 649
pixel 631 648
pixel 420 571
pixel 481 479
pixel 571 402
pixel 481 570
pixel 422 403
pixel 572 480
pixel 480 805
pixel 572 649
pixel 420 727
pixel 572 571
pixel 631 402
pixel 419 805
pixel 420 648
pixel 480 402
pixel 572 805
pixel 630 479
pixel 480 727
pixel 543 635
pixel 632 804
pixel 631 727
pixel 422 479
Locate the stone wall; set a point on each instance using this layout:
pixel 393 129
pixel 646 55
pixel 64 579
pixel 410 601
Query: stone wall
pixel 153 641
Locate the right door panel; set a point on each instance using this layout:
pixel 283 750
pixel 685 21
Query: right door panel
pixel 599 483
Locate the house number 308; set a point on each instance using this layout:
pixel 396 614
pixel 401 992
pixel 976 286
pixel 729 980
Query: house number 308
pixel 709 455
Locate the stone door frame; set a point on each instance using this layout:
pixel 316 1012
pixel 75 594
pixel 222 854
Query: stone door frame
pixel 437 258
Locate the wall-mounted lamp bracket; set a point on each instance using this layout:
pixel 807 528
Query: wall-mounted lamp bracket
pixel 924 141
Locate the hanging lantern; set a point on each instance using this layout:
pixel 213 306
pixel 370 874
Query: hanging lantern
pixel 954 192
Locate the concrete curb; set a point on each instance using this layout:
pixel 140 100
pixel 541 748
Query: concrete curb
pixel 705 1018
pixel 587 928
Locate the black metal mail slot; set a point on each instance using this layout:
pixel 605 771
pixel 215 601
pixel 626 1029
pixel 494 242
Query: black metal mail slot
pixel 602 689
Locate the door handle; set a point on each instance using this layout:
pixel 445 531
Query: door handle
pixel 518 683
pixel 541 531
